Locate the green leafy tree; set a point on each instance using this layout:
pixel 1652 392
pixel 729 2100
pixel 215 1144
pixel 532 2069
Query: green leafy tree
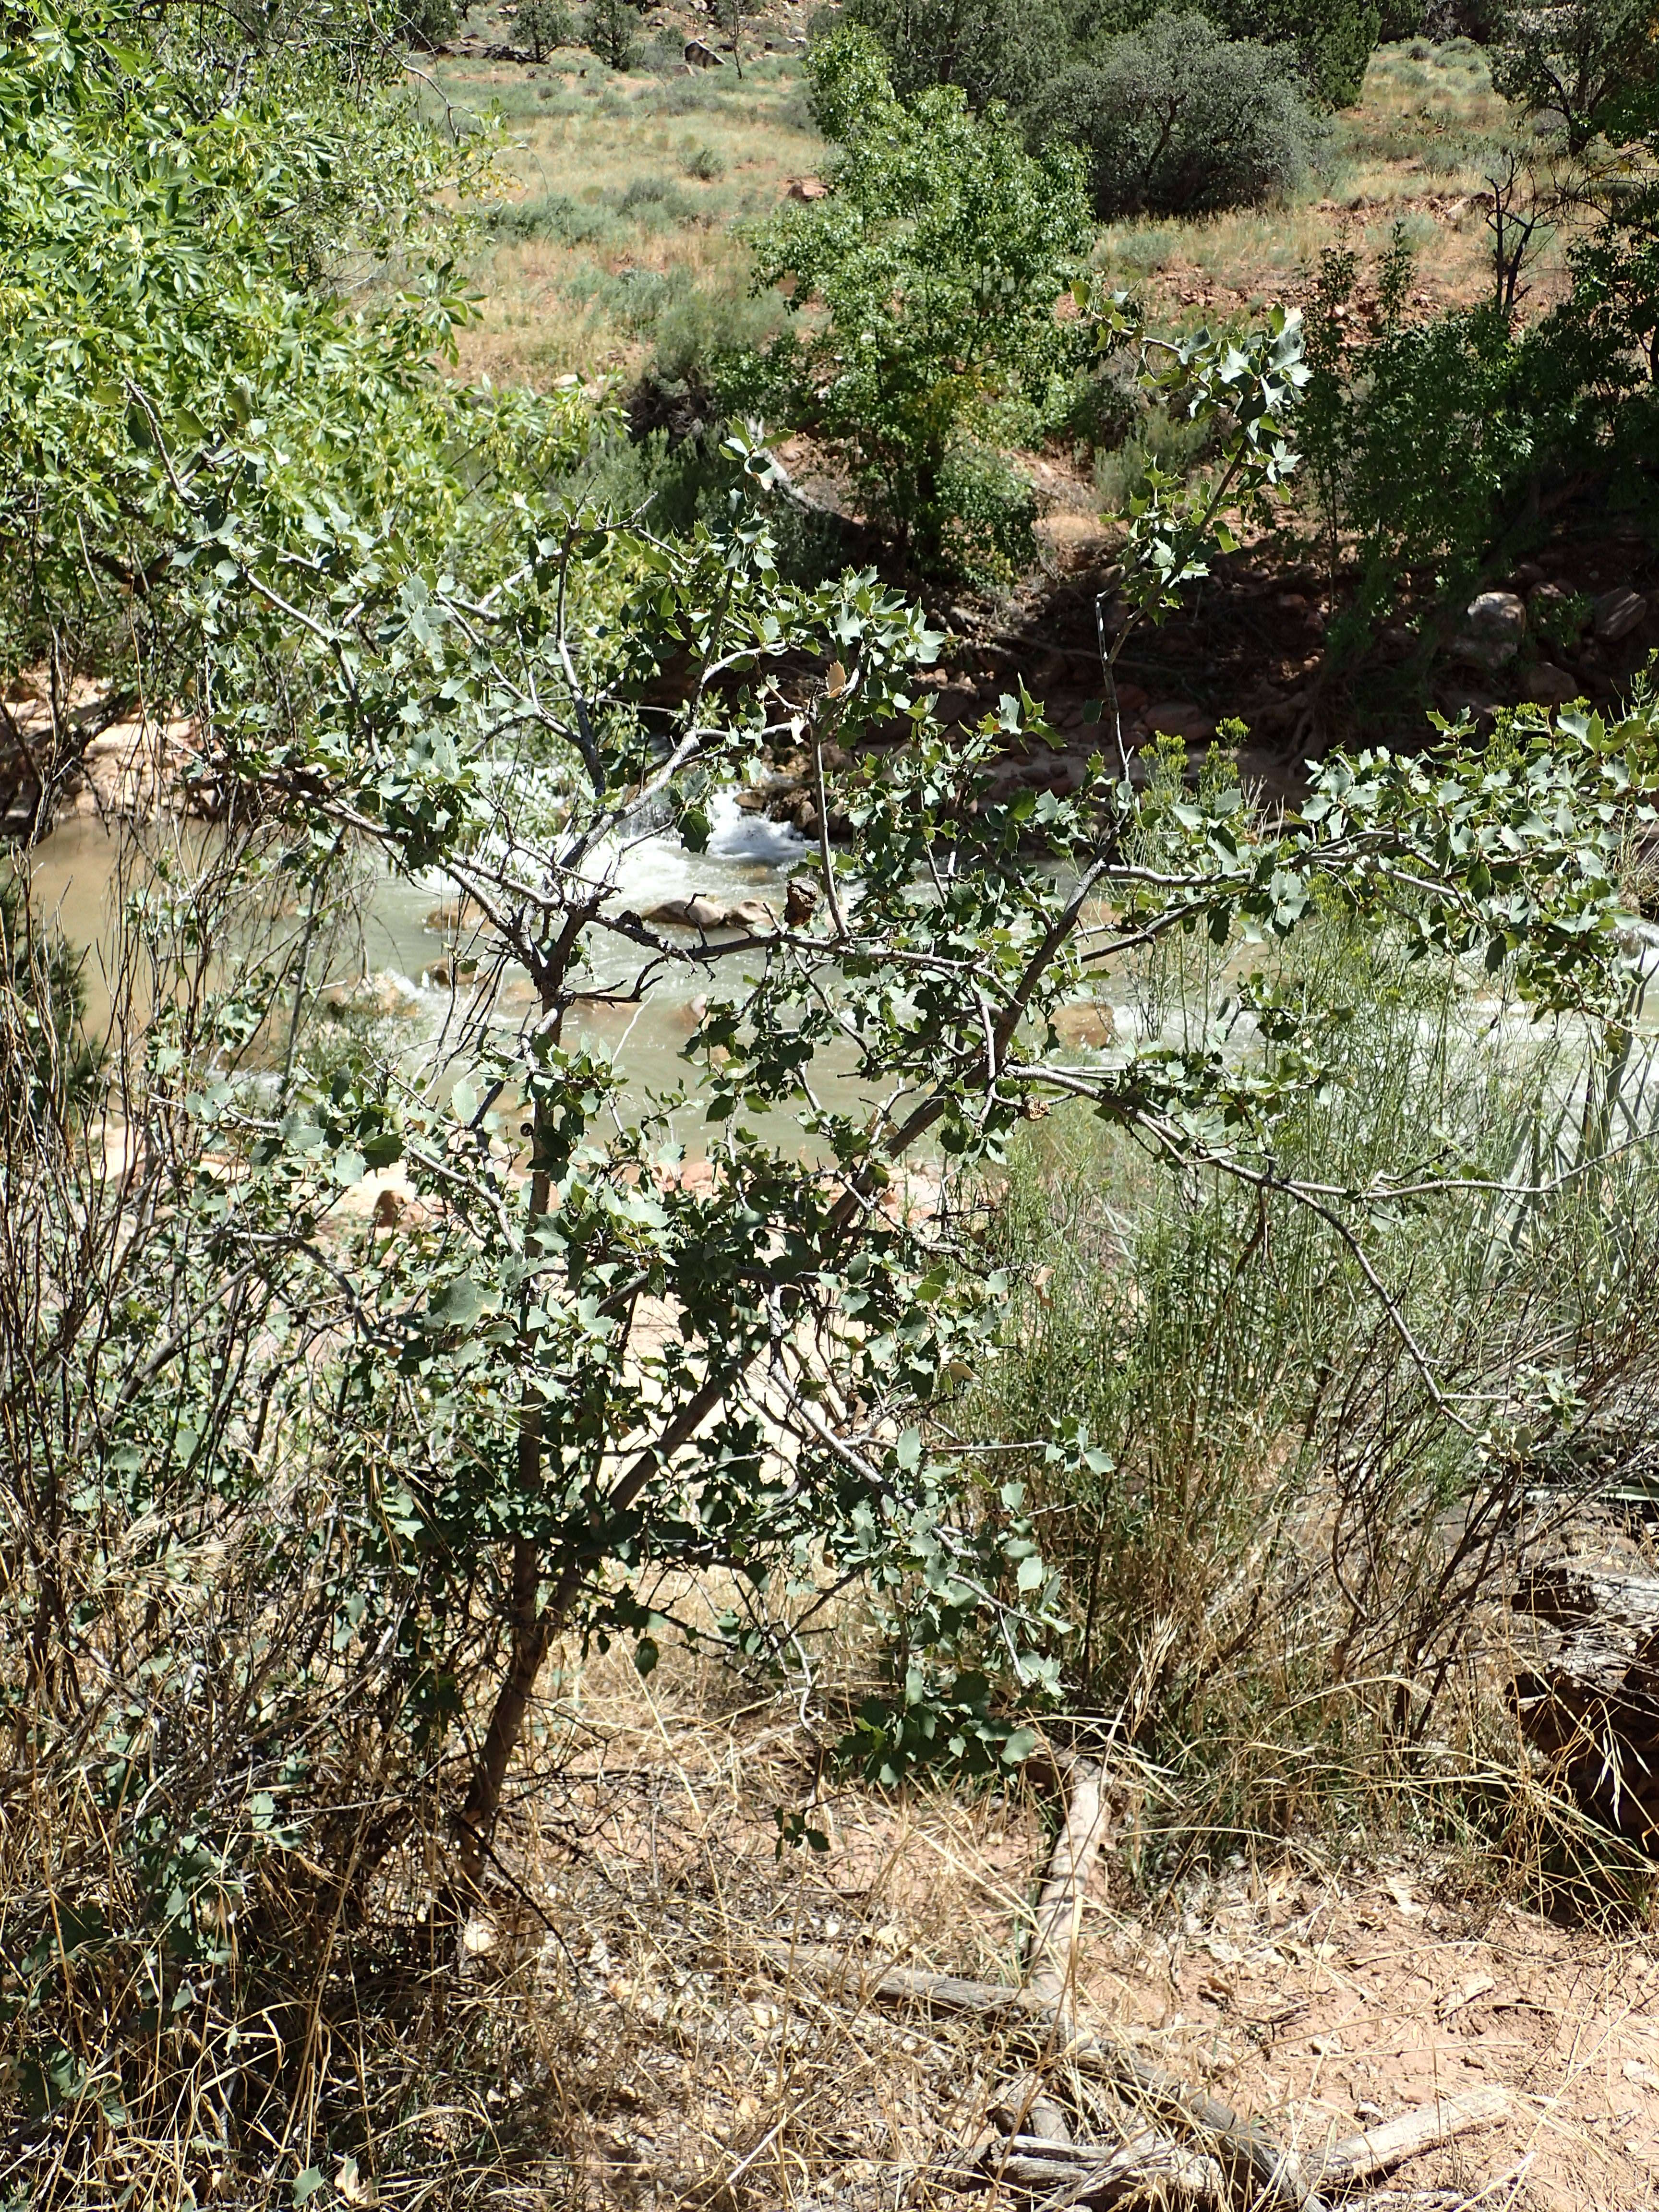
pixel 1379 414
pixel 544 26
pixel 1507 407
pixel 931 270
pixel 611 28
pixel 1178 119
pixel 179 312
pixel 1591 65
pixel 297 1499
pixel 1334 39
pixel 1331 40
pixel 993 49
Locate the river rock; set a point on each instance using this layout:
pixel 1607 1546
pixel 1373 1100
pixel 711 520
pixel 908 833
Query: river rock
pixel 385 993
pixel 1089 1023
pixel 1180 718
pixel 752 914
pixel 697 912
pixel 1617 613
pixel 132 767
pixel 1547 685
pixel 800 900
pixel 1497 626
pixel 455 915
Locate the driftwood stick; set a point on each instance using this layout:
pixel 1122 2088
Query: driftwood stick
pixel 1051 1962
pixel 1088 2174
pixel 1026 2108
pixel 1391 2143
pixel 1271 2179
pixel 1050 1969
pixel 1414 2200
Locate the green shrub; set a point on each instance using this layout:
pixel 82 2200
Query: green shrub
pixel 932 268
pixel 553 215
pixel 993 49
pixel 427 23
pixel 706 163
pixel 610 29
pixel 1176 118
pixel 1278 1535
pixel 1334 39
pixel 685 95
pixel 1100 410
pixel 653 202
pixel 1172 445
pixel 544 25
pixel 1436 442
pixel 517 102
pixel 700 325
pixel 665 52
pixel 1416 442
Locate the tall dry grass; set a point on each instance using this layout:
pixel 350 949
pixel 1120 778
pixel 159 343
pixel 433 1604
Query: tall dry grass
pixel 1288 1565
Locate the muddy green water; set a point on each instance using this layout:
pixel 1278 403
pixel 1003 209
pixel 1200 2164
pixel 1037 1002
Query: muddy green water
pixel 77 874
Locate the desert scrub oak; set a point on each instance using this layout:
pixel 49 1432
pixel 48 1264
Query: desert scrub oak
pixel 1585 67
pixel 300 1493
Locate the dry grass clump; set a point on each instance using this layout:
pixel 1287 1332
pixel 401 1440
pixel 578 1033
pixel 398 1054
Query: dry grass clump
pixel 1289 1552
pixel 636 189
pixel 627 2015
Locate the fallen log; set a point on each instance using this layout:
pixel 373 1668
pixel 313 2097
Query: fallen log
pixel 1050 1965
pixel 1586 1690
pixel 1089 2174
pixel 1026 2108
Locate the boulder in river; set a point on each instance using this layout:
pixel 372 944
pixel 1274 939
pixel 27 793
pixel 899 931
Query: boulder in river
pixel 1089 1023
pixel 752 914
pixel 701 911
